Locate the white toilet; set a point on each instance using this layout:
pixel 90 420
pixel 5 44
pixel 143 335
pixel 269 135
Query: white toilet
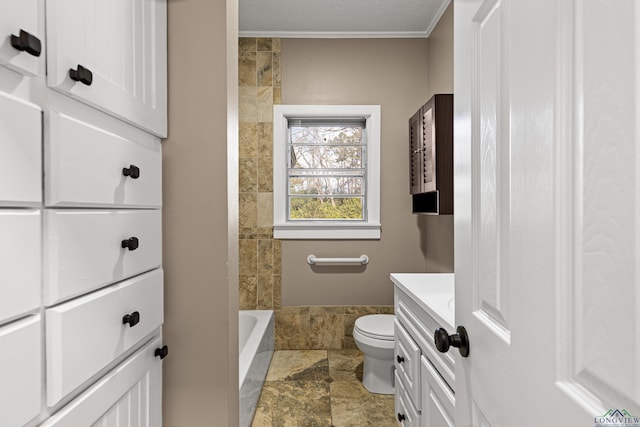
pixel 374 337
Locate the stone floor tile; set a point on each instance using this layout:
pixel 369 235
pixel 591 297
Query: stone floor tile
pixel 290 365
pixel 345 365
pixel 294 403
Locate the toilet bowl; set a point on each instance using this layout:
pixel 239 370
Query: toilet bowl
pixel 373 335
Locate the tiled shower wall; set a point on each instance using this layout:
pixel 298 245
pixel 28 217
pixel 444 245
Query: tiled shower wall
pixel 300 327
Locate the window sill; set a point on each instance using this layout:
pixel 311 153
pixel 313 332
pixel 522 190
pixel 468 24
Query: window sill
pixel 323 230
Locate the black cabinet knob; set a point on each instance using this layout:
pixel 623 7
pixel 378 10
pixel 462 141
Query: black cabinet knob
pixel 132 171
pixel 26 42
pixel 82 75
pixel 131 243
pixel 400 359
pixel 401 417
pixel 444 341
pixel 161 352
pixel 131 319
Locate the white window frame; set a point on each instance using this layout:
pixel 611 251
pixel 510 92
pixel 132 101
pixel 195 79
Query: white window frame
pixel 326 229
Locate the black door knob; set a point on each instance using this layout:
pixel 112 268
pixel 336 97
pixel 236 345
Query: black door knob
pixel 161 352
pixel 401 417
pixel 26 42
pixel 82 75
pixel 131 243
pixel 132 171
pixel 400 359
pixel 131 319
pixel 444 341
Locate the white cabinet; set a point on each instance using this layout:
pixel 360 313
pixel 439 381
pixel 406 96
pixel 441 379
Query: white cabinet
pixel 130 395
pixel 20 265
pixel 20 148
pixel 438 400
pixel 81 280
pixel 20 371
pixel 89 166
pixel 86 334
pixel 116 51
pixel 87 249
pixel 21 39
pixel 425 378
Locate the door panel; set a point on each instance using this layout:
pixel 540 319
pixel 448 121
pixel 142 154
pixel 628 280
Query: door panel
pixel 123 44
pixel 491 168
pixel 602 306
pixel 23 16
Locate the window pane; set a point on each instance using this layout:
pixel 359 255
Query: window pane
pixel 326 157
pixel 326 134
pixel 325 208
pixel 326 185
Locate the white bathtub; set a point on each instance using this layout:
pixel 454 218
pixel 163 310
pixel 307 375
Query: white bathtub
pixel 256 343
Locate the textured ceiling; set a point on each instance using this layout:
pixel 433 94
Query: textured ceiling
pixel 339 18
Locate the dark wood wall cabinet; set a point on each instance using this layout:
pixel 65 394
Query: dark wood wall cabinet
pixel 431 156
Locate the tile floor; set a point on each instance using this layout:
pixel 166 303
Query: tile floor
pixel 320 388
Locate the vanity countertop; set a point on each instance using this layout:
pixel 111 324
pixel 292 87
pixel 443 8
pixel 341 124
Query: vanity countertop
pixel 434 292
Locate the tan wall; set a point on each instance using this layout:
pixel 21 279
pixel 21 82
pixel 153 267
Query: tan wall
pixel 201 372
pixel 437 231
pixel 389 72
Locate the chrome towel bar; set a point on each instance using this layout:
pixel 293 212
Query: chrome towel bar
pixel 312 260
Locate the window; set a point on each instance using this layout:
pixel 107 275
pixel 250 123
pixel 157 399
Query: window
pixel 326 171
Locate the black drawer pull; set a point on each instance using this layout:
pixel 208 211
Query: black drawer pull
pixel 26 42
pixel 132 243
pixel 82 75
pixel 161 352
pixel 400 359
pixel 131 319
pixel 401 417
pixel 132 171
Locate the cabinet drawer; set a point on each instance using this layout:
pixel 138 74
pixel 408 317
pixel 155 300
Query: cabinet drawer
pixel 85 166
pixel 422 326
pixel 20 265
pixel 83 249
pixel 407 362
pixel 406 414
pixel 129 395
pixel 438 401
pixel 20 15
pixel 123 44
pixel 20 370
pixel 20 145
pixel 85 335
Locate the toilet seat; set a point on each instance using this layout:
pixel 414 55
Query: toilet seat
pixel 376 326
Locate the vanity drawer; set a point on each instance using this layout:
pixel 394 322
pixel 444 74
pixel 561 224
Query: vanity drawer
pixel 88 166
pixel 406 414
pixel 83 249
pixel 20 265
pixel 438 401
pixel 20 371
pixel 421 326
pixel 407 362
pixel 21 148
pixel 85 335
pixel 129 395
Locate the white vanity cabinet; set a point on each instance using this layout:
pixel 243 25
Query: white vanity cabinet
pixel 425 378
pixel 111 55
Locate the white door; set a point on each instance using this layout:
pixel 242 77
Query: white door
pixel 547 225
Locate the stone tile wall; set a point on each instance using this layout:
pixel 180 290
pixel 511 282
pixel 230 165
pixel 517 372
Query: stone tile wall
pixel 259 89
pixel 320 327
pixel 308 327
